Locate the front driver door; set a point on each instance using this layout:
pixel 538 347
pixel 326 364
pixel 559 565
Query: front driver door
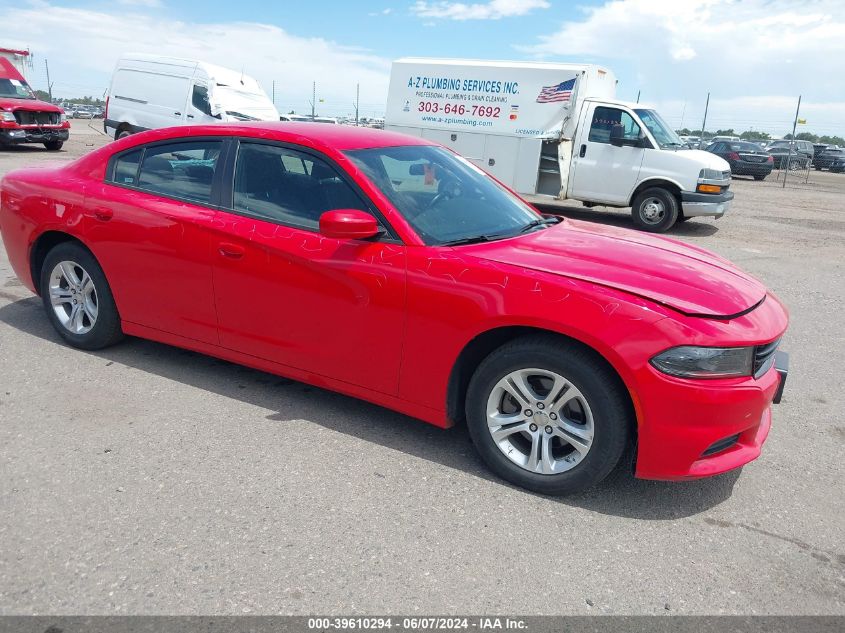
pixel 286 293
pixel 604 172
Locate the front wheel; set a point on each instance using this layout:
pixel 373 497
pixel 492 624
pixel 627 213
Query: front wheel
pixel 54 146
pixel 547 415
pixel 655 210
pixel 77 298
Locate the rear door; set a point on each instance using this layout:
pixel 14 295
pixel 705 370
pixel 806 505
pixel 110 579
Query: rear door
pixel 602 172
pixel 288 294
pixel 150 224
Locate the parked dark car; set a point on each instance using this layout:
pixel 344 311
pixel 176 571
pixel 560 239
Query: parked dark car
pixel 784 158
pixel 826 159
pixel 745 159
pixel 819 148
pixel 838 164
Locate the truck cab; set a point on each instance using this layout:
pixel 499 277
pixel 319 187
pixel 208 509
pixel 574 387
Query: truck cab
pixel 625 155
pixel 23 117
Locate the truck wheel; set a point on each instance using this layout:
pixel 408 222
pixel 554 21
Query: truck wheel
pixel 122 133
pixel 655 210
pixel 54 146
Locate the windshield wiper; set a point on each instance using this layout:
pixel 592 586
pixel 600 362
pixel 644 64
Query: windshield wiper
pixel 475 239
pixel 543 222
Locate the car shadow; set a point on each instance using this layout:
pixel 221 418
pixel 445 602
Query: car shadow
pixel 622 219
pixel 619 495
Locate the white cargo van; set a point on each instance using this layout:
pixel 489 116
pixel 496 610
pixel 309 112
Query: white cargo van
pixel 150 91
pixel 554 131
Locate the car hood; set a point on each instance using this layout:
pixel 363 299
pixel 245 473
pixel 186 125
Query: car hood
pixel 10 105
pixel 706 160
pixel 685 278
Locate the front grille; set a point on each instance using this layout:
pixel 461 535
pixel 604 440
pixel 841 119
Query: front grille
pixel 764 357
pixel 721 445
pixel 31 117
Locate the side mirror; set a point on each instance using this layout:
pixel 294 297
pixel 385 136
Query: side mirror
pixel 617 135
pixel 348 224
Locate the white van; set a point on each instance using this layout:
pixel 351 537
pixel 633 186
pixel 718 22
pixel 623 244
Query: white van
pixel 150 91
pixel 554 131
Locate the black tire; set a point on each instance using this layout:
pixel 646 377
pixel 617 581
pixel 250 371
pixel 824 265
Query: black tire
pixel 105 330
pixel 611 412
pixel 759 177
pixel 122 132
pixel 668 216
pixel 54 146
pixel 682 217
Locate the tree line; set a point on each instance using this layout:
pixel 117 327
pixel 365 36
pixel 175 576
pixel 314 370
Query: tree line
pixel 754 135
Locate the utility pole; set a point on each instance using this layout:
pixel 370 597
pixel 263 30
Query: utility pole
pixel 638 95
pixel 313 100
pixel 791 142
pixel 357 101
pixel 704 122
pixel 49 85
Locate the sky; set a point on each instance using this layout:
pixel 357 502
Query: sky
pixel 754 57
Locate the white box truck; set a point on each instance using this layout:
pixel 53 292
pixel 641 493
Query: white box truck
pixel 554 131
pixel 150 91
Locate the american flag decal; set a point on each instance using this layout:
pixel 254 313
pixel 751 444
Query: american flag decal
pixel 559 92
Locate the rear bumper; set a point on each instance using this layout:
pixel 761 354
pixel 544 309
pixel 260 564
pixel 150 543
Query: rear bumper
pixel 706 204
pixel 11 136
pixel 752 169
pixel 706 428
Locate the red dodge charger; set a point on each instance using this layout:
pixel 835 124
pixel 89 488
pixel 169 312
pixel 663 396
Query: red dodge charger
pixel 390 269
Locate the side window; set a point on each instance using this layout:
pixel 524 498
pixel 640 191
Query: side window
pixel 605 118
pixel 288 187
pixel 181 170
pixel 199 99
pixel 125 170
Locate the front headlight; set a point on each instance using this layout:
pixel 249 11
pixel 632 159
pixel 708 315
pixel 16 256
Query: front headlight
pixel 8 116
pixel 710 174
pixel 705 362
pixel 62 117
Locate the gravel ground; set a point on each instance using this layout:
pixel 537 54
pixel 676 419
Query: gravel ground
pixel 146 479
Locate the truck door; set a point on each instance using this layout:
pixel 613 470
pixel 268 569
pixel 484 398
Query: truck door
pixel 602 172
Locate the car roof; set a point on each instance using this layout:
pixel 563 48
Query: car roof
pixel 328 135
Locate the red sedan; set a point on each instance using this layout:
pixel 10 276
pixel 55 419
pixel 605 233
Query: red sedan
pixel 390 269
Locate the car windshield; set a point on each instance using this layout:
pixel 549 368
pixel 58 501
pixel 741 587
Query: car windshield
pixel 444 197
pixel 15 89
pixel 744 147
pixel 662 133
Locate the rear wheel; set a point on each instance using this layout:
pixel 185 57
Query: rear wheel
pixel 759 177
pixel 77 298
pixel 655 210
pixel 122 133
pixel 54 146
pixel 547 415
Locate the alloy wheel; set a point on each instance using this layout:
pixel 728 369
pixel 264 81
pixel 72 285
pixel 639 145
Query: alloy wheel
pixel 73 297
pixel 540 421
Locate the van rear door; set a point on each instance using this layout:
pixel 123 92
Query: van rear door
pixel 602 172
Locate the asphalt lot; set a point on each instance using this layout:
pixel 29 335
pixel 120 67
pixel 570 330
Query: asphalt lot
pixel 146 479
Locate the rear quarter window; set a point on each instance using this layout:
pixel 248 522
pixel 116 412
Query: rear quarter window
pixel 125 171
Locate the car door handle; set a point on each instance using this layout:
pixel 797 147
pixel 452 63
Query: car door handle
pixel 583 151
pixel 190 116
pixel 177 113
pixel 104 215
pixel 232 251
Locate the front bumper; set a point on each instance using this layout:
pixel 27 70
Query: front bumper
pixel 33 135
pixel 706 204
pixel 708 427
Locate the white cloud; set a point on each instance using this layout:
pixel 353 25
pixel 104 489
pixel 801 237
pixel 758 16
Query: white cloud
pixel 682 49
pixel 151 4
pixel 387 11
pixel 82 47
pixel 493 10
